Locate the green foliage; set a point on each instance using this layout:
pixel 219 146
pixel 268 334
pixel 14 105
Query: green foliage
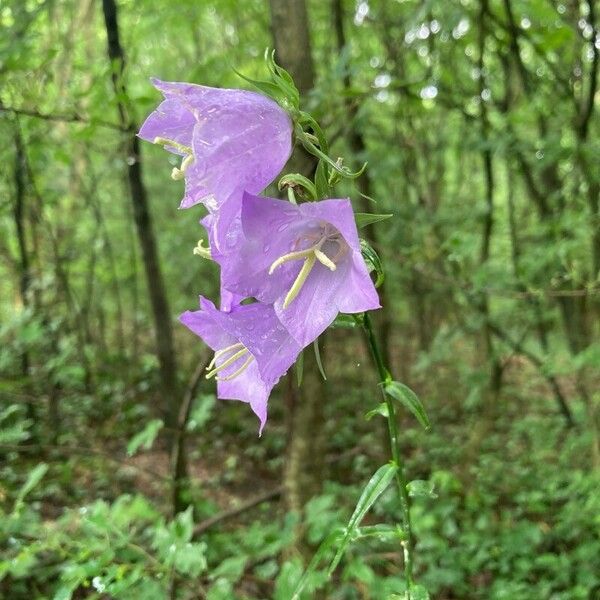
pixel 484 327
pixel 403 394
pixel 145 438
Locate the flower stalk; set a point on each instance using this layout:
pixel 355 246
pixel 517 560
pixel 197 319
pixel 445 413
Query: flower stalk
pixel 401 483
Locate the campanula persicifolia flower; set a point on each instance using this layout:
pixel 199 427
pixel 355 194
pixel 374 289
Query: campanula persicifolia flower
pixel 304 259
pixel 230 140
pixel 252 350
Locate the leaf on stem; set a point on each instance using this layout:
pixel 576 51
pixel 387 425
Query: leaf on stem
pixel 364 219
pixel 376 486
pixel 403 394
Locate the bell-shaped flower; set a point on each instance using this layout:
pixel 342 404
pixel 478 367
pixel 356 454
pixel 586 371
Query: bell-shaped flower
pixel 252 350
pixel 230 140
pixel 304 259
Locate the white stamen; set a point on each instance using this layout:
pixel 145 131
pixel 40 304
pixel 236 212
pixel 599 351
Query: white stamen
pixel 291 256
pixel 239 371
pixel 223 351
pixel 325 260
pixel 227 362
pixel 310 256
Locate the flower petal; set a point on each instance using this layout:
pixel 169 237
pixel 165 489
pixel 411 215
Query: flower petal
pixel 315 307
pixel 248 387
pixel 337 212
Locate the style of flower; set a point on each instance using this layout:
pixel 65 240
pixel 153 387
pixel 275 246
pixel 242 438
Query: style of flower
pixel 252 350
pixel 304 259
pixel 230 140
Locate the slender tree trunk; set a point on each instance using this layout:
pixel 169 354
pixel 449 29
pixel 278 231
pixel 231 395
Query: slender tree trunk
pixel 488 221
pixel 143 221
pixel 291 36
pixel 24 274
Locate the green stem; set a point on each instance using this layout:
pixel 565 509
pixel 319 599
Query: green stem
pixel 384 376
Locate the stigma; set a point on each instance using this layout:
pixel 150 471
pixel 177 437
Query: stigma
pixel 200 250
pixel 236 356
pixel 325 239
pixel 177 173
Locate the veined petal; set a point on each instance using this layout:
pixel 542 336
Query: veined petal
pixel 239 139
pixel 358 294
pixel 309 254
pixel 249 387
pixel 249 332
pixel 337 212
pixel 315 307
pixel 257 327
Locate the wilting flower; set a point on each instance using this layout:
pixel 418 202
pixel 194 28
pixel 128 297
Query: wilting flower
pixel 229 140
pixel 304 259
pixel 252 350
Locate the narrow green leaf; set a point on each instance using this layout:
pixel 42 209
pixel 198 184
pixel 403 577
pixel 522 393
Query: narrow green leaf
pixel 318 359
pixel 381 531
pixel 376 486
pixel 145 438
pixel 373 261
pixel 322 550
pixel 266 87
pixel 343 171
pixel 299 369
pixel 321 180
pixel 364 219
pixel 403 394
pixel 382 410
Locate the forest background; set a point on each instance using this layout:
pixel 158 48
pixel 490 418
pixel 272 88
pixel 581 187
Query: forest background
pixel 122 477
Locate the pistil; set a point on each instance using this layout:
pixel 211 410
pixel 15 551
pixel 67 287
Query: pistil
pixel 311 256
pixel 188 159
pixel 161 141
pixel 178 174
pixel 200 250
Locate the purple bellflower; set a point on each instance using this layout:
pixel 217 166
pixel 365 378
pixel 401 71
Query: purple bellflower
pixel 304 259
pixel 229 140
pixel 252 350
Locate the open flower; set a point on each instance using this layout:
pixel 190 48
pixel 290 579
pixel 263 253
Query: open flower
pixel 252 351
pixel 229 140
pixel 304 259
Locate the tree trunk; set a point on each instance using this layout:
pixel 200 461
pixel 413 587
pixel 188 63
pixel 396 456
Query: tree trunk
pixel 143 221
pixel 291 36
pixel 24 274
